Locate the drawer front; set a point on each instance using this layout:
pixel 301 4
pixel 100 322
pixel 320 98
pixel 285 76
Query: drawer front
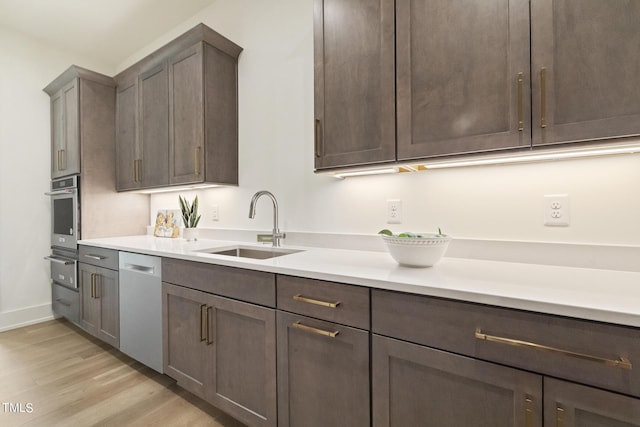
pixel 334 302
pixel 100 257
pixel 594 353
pixel 64 273
pixel 245 285
pixel 65 302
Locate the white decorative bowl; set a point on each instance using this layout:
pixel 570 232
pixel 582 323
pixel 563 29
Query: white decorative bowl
pixel 417 251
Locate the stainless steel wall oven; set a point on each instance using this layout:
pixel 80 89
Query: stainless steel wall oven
pixel 65 213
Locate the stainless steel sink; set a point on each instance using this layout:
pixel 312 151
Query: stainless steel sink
pixel 250 252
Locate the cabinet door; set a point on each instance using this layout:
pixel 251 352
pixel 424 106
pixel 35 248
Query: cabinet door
pixel 323 373
pixel 585 70
pixel 107 293
pixel 186 334
pixel 354 82
pixel 154 128
pixel 127 153
pixel 99 303
pixel 186 112
pixel 65 131
pixel 415 385
pixel 243 361
pixel 462 76
pixel 571 405
pixel 89 304
pixel 57 133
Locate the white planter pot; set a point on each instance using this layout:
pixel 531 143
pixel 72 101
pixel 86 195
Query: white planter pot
pixel 190 234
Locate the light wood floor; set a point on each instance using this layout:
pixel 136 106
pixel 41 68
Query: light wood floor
pixel 72 379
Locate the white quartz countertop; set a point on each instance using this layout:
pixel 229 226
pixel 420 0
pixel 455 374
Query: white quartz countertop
pixel 603 295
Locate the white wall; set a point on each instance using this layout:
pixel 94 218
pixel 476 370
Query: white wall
pixel 276 140
pixel 26 66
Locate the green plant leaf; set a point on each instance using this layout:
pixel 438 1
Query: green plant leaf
pixel 190 216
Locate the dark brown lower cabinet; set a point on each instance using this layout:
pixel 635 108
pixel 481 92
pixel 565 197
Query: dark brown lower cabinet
pixel 323 373
pixel 223 351
pixel 415 385
pixel 99 302
pixel 572 405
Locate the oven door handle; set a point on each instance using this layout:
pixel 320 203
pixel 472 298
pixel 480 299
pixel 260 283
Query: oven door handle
pixel 59 192
pixel 60 260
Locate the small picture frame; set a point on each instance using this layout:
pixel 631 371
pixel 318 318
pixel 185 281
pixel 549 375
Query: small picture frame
pixel 167 223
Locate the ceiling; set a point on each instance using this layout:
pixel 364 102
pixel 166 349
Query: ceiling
pixel 107 30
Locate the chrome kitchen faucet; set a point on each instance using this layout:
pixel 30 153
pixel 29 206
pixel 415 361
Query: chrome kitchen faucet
pixel 277 234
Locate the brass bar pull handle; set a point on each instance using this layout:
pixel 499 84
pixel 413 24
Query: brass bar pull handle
pixel 63 159
pixel 520 103
pixel 203 331
pixel 543 97
pixel 135 171
pixel 138 170
pixel 559 416
pixel 316 138
pixel 528 411
pixel 311 329
pixel 98 292
pixel 58 167
pixel 621 362
pixel 94 285
pixel 209 340
pixel 196 158
pixel 300 298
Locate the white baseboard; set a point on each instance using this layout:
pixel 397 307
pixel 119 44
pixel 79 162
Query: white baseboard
pixel 25 316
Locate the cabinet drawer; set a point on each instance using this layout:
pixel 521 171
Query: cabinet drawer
pixel 100 257
pixel 65 302
pixel 334 302
pixel 594 353
pixel 245 285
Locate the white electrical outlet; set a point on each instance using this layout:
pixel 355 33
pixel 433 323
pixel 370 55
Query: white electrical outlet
pixel 556 210
pixel 215 213
pixel 394 211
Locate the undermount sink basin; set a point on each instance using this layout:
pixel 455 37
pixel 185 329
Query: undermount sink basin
pixel 251 252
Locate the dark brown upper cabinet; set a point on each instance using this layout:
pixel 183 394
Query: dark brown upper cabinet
pixel 449 78
pixel 127 147
pixel 77 93
pixel 354 82
pixel 178 114
pixel 586 72
pixel 462 76
pixel 142 108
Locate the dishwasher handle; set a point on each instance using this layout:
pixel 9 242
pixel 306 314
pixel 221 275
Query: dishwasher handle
pixel 139 268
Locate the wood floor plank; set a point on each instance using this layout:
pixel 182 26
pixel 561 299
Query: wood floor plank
pixel 54 374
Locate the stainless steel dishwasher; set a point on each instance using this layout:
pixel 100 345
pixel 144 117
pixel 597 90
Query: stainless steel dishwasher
pixel 141 308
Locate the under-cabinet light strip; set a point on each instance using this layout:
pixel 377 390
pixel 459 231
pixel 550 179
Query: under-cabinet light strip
pixel 505 159
pixel 178 188
pixel 524 158
pixel 343 175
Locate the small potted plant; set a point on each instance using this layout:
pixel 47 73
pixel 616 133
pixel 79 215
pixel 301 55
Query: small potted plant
pixel 190 218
